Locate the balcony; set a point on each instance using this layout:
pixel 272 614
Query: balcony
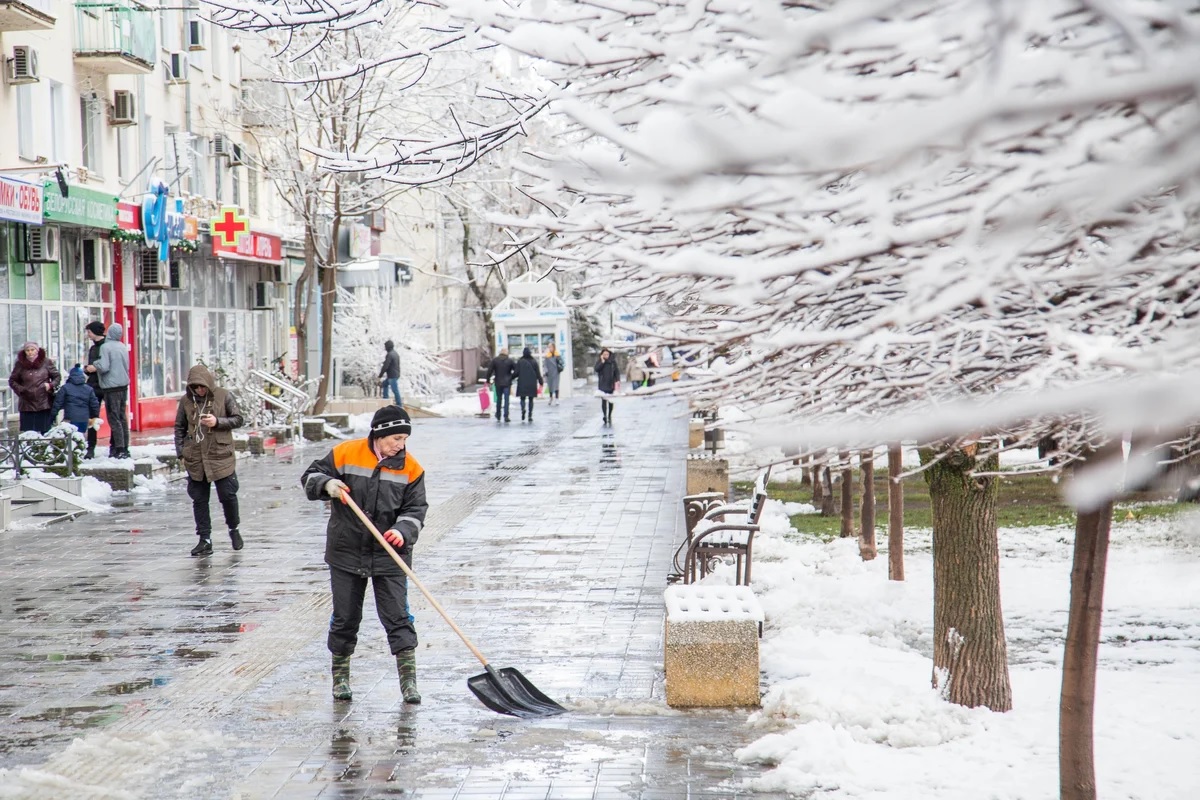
pixel 27 15
pixel 114 38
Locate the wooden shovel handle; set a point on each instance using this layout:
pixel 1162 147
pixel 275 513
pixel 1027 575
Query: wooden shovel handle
pixel 408 571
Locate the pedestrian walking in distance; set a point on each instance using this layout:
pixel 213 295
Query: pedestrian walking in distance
pixel 501 372
pixel 204 423
pixel 389 485
pixel 96 334
pixel 529 378
pixel 76 400
pixel 552 368
pixel 607 376
pixel 34 380
pixel 112 367
pixel 389 373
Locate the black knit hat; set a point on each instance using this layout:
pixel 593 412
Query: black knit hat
pixel 97 328
pixel 388 421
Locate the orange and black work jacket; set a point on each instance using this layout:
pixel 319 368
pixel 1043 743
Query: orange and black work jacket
pixel 390 492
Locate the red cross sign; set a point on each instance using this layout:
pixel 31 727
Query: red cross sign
pixel 229 226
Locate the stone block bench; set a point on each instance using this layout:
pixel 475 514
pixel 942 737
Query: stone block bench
pixel 710 650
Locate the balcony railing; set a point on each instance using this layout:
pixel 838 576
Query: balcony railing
pixel 115 38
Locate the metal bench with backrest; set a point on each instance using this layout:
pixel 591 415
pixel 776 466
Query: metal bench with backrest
pixel 726 530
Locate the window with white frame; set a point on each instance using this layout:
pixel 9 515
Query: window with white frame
pixel 25 146
pixel 90 131
pixel 58 106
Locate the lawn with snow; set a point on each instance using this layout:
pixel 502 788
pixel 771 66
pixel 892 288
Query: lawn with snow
pixel 846 655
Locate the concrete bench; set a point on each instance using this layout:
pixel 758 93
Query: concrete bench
pixel 710 651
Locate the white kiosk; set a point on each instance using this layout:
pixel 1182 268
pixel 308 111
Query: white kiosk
pixel 533 315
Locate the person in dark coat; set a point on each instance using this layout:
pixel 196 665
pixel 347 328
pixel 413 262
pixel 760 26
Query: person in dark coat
pixel 112 370
pixel 389 373
pixel 34 380
pixel 607 376
pixel 501 372
pixel 204 423
pixel 388 485
pixel 529 378
pixel 77 401
pixel 96 334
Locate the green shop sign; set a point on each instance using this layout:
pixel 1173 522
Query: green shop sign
pixel 81 206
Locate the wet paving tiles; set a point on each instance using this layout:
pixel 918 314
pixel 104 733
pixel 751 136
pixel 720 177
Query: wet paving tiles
pixel 130 667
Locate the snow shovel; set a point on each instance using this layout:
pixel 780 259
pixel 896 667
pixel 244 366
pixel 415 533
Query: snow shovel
pixel 505 691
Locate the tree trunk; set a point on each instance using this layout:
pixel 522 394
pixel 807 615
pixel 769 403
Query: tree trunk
pixel 818 487
pixel 866 544
pixel 328 284
pixel 303 300
pixel 895 514
pixel 828 503
pixel 970 655
pixel 1076 762
pixel 847 497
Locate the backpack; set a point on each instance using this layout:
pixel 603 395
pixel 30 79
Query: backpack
pixel 558 362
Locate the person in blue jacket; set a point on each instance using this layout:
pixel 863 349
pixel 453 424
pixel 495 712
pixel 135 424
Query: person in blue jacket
pixel 77 400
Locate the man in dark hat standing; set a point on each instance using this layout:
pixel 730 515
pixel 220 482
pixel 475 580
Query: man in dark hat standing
pixel 389 485
pixel 96 335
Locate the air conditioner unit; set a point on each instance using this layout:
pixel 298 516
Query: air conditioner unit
pixel 264 295
pixel 97 260
pixel 124 109
pixel 152 273
pixel 177 68
pixel 195 35
pixel 237 156
pixel 23 66
pixel 219 145
pixel 42 243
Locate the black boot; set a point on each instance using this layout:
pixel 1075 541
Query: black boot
pixel 91 452
pixel 341 678
pixel 203 547
pixel 236 539
pixel 406 666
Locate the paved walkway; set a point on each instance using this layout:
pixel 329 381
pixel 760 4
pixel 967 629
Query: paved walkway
pixel 129 669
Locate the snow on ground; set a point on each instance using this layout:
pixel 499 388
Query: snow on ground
pixel 459 405
pixel 846 656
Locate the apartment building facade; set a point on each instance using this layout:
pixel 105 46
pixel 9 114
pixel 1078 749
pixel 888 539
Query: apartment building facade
pixel 98 100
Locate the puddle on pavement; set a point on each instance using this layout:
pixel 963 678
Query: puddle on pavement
pixel 228 627
pixel 127 687
pixel 55 657
pixel 78 716
pixel 190 654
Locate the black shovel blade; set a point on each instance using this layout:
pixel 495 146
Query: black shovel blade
pixel 507 691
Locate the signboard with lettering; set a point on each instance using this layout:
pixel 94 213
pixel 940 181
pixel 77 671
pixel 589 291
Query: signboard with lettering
pixel 185 228
pixel 81 206
pixel 251 246
pixel 20 201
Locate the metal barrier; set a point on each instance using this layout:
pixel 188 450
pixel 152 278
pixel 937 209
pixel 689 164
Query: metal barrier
pixel 60 455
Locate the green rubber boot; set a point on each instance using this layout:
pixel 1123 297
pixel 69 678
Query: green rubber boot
pixel 341 678
pixel 406 666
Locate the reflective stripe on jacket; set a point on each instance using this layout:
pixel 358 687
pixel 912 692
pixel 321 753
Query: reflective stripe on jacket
pixel 391 493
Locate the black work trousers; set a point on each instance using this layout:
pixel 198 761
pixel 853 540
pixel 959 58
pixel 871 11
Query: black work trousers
pixel 391 604
pixel 199 491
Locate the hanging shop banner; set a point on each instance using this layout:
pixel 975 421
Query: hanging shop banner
pixel 81 206
pixel 20 201
pixel 251 246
